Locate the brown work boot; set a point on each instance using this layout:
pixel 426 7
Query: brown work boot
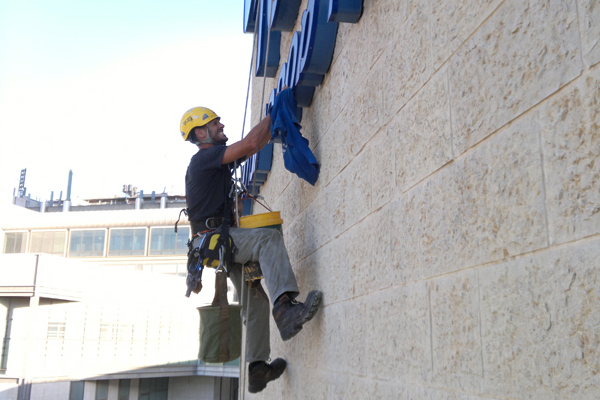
pixel 260 373
pixel 290 314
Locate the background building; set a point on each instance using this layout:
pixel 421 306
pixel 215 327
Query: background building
pixel 454 228
pixel 93 306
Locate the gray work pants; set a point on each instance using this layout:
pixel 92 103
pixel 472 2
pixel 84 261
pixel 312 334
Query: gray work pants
pixel 266 246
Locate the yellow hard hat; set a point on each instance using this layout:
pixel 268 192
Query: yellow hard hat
pixel 193 118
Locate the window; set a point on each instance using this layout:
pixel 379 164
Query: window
pixel 48 242
pixel 76 391
pixel 101 390
pixel 165 241
pixel 108 331
pixel 56 330
pixel 154 388
pixel 124 389
pixel 87 243
pixel 127 242
pixel 14 242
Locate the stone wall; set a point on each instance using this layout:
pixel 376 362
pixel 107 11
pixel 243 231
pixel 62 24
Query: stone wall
pixel 455 226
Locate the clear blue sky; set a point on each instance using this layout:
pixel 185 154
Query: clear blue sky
pixel 99 87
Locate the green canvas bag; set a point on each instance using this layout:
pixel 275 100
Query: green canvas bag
pixel 220 326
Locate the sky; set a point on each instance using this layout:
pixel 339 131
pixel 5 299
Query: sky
pixel 99 87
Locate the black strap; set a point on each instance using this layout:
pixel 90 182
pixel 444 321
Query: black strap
pixel 220 299
pixel 183 210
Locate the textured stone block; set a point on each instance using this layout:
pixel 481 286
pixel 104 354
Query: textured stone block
pixel 338 386
pixel 330 338
pixel 333 151
pixel 487 205
pixel 407 64
pixel 589 22
pixel 452 22
pixel 423 136
pixel 359 324
pixel 368 254
pixel 327 270
pixel 526 51
pixel 318 228
pixel 315 119
pixel 456 334
pixel 298 383
pixel 363 111
pixel 443 231
pixel 399 345
pixel 295 239
pixel 383 19
pixel 405 233
pixel 503 201
pixel 540 321
pixel 381 152
pixel 571 145
pixel 423 393
pixel 288 204
pixel 350 69
pixel 350 199
pixel 365 388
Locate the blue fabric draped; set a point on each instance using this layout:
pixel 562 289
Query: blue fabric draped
pixel 297 156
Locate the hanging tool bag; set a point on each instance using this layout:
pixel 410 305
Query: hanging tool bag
pixel 220 326
pixel 217 248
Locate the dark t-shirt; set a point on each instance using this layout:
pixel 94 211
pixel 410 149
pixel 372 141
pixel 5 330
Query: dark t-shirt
pixel 207 183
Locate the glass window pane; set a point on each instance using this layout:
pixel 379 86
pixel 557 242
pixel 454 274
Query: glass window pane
pixel 98 246
pixel 87 243
pixel 101 390
pixel 124 385
pixel 115 241
pixel 36 243
pixel 56 330
pixel 127 242
pixel 60 239
pixel 166 241
pixel 76 392
pixel 48 242
pixel 154 388
pixel 14 242
pixel 139 241
pixel 74 247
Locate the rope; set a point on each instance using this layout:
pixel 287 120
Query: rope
pixel 263 88
pixel 255 39
pixel 243 371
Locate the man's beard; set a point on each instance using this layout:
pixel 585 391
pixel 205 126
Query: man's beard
pixel 220 142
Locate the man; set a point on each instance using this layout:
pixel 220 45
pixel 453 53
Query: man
pixel 208 183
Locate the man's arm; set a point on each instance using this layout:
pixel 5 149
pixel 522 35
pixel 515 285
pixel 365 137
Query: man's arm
pixel 255 140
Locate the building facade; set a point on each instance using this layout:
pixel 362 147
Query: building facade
pixel 455 226
pixel 93 307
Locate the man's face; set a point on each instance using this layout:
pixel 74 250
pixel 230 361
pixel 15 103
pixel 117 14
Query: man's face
pixel 215 129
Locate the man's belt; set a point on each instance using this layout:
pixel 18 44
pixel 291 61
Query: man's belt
pixel 207 224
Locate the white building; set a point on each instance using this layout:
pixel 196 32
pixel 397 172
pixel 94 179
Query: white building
pixel 93 306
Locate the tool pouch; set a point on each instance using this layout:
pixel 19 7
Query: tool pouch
pixel 216 246
pixel 253 274
pixel 194 268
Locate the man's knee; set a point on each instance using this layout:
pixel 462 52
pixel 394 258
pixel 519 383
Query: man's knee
pixel 269 234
